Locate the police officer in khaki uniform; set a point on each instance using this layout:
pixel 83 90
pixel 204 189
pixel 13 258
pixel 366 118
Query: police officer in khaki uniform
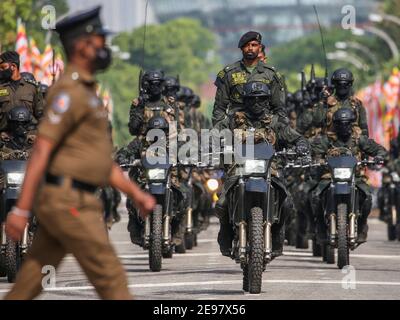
pixel 73 154
pixel 231 80
pixel 16 90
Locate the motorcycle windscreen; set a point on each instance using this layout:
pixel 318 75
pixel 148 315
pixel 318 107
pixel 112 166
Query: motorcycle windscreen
pixel 9 166
pixel 256 185
pixel 153 164
pixel 261 151
pixel 342 162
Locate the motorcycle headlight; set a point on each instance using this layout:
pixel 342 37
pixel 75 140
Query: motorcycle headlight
pixel 15 178
pixel 395 177
pixel 342 173
pixel 212 185
pixel 254 166
pixel 157 174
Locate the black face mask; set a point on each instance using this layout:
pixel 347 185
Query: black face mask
pixel 155 89
pixel 171 92
pixel 343 131
pixel 343 90
pixel 256 106
pixel 103 59
pixel 5 75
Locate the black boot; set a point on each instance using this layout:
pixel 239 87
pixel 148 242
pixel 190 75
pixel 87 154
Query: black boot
pixel 225 238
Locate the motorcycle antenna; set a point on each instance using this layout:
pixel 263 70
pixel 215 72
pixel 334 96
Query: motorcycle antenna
pixel 303 81
pixel 143 48
pixel 144 33
pixel 322 40
pixel 313 74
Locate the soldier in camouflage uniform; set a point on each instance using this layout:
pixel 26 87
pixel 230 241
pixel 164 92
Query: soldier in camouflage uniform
pixel 270 128
pixel 342 81
pixel 17 139
pixel 17 91
pixel 142 110
pixel 231 80
pixel 343 141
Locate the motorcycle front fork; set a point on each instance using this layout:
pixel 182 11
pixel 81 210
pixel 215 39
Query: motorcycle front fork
pixel 352 229
pixel 23 243
pixel 243 241
pixel 166 231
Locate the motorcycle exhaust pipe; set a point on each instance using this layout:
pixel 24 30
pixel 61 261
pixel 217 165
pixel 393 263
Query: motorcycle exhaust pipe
pixel 242 241
pixel 24 241
pixel 268 241
pixel 189 224
pixel 352 224
pixel 394 215
pixel 3 236
pixel 147 232
pixel 332 220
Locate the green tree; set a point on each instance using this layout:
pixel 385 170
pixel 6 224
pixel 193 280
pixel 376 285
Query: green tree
pixel 30 13
pixel 182 46
pixel 122 80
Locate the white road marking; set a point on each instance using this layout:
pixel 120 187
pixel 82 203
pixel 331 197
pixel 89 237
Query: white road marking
pixel 201 284
pixel 215 254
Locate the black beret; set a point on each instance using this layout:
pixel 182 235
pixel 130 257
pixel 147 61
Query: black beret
pixel 81 23
pixel 10 56
pixel 249 36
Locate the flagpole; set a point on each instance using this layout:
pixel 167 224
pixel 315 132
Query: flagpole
pixel 54 67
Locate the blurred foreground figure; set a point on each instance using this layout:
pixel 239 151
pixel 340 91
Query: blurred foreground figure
pixel 73 152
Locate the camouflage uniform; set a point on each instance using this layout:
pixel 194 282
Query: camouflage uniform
pixel 331 146
pixel 230 82
pixel 272 129
pixel 323 114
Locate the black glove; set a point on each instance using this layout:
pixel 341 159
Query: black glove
pixel 379 160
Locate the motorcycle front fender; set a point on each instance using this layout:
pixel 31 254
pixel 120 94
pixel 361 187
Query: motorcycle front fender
pixel 256 185
pixel 342 188
pixel 157 188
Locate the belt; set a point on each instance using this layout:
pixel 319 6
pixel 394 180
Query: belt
pixel 59 180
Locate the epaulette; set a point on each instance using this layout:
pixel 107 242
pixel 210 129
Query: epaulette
pixel 33 82
pixel 225 70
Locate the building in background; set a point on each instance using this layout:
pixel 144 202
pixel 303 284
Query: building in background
pixel 278 20
pixel 118 15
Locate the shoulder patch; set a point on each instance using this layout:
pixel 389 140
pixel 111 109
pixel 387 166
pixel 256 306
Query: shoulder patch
pixel 61 103
pixel 36 84
pixel 221 74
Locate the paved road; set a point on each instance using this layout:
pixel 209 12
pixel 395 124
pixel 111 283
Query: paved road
pixel 204 274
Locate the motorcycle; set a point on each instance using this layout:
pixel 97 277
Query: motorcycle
pixel 157 225
pixel 254 207
pixel 342 209
pixel 390 204
pixel 13 253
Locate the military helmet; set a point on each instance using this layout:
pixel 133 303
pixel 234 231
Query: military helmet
pixel 153 75
pixel 196 101
pixel 158 122
pixel 28 76
pixel 344 115
pixel 43 88
pixel 185 94
pixel 342 75
pixel 19 114
pixel 298 97
pixel 171 82
pixel 289 97
pixel 256 89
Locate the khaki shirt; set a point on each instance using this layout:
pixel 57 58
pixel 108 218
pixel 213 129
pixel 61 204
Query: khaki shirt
pixel 77 122
pixel 26 94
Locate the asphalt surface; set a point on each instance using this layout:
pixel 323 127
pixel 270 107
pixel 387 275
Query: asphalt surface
pixel 203 274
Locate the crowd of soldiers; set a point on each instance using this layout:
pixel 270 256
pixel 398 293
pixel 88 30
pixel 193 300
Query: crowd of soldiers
pixel 165 96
